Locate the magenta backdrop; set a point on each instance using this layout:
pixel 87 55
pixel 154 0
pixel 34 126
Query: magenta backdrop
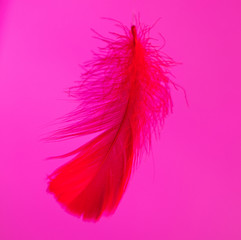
pixel 191 188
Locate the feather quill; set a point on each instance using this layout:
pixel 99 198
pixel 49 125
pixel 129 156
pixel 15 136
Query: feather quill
pixel 124 96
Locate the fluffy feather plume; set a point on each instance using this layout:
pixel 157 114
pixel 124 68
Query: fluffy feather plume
pixel 124 96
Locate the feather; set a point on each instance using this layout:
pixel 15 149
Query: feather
pixel 124 97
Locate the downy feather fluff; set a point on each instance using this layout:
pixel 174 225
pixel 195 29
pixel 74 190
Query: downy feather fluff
pixel 124 96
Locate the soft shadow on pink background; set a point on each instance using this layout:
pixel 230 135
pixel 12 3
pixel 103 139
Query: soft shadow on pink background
pixel 190 189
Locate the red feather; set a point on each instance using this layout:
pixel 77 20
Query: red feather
pixel 124 96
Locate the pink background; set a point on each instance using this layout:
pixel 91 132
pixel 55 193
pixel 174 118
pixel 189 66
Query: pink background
pixel 191 188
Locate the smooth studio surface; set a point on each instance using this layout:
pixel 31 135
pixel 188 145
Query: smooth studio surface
pixel 190 187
